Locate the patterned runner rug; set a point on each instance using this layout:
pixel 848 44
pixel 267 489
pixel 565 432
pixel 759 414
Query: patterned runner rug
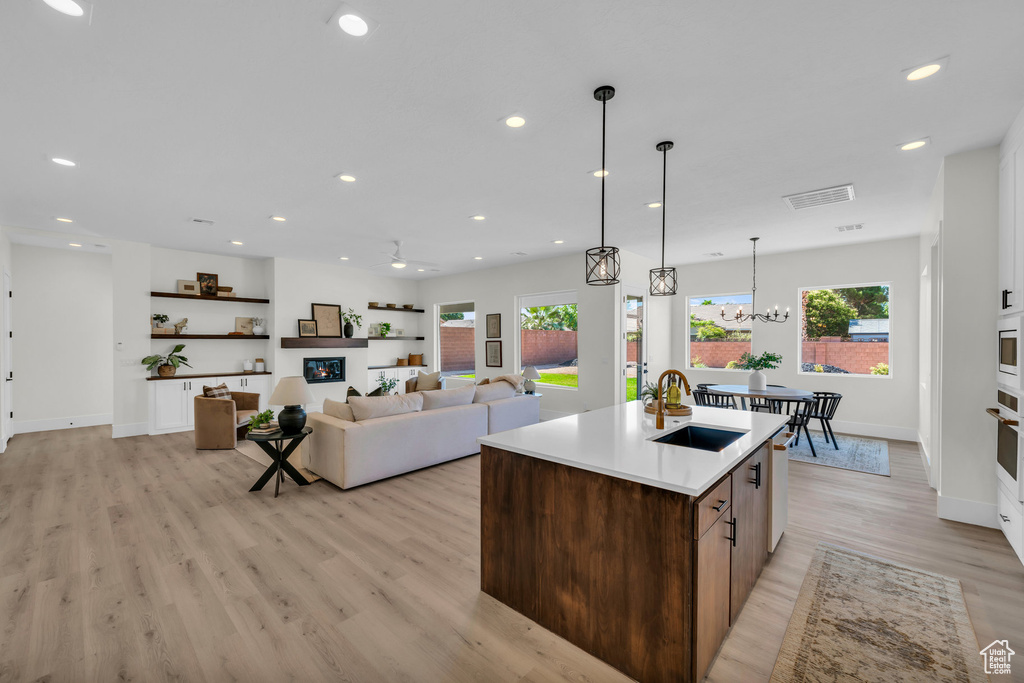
pixel 855 453
pixel 864 619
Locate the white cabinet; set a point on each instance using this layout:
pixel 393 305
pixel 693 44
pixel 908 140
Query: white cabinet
pixel 1011 295
pixel 171 404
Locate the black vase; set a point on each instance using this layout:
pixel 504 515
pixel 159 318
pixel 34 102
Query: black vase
pixel 292 419
pixel 349 330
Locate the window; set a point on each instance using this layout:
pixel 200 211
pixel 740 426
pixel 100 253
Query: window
pixel 456 341
pixel 547 337
pixel 845 330
pixel 717 342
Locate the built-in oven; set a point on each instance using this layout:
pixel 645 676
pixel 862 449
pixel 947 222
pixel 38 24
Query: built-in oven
pixel 1009 351
pixel 1010 469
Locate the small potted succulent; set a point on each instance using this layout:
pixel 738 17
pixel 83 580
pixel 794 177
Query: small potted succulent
pixel 351 320
pixel 159 319
pixel 766 361
pixel 167 365
pixel 649 394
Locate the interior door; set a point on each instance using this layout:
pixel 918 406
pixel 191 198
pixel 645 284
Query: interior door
pixel 634 347
pixel 7 423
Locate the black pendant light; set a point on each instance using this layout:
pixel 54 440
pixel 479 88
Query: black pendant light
pixel 663 280
pixel 603 261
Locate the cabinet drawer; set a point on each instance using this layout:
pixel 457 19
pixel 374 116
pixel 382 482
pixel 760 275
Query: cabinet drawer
pixel 719 497
pixel 1011 521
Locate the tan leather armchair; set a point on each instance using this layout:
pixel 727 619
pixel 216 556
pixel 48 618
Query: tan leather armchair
pixel 220 422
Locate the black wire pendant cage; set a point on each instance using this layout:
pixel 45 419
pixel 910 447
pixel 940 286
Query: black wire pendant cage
pixel 663 282
pixel 603 266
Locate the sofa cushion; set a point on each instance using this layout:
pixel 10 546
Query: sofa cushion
pixel 493 392
pixel 219 391
pixel 446 398
pixel 428 382
pixel 369 407
pixel 342 411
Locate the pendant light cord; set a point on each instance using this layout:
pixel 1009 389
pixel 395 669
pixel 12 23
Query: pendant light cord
pixel 604 171
pixel 664 176
pixel 753 287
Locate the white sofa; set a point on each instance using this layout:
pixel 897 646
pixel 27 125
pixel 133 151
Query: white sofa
pixel 353 452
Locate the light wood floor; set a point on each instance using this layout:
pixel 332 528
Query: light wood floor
pixel 141 559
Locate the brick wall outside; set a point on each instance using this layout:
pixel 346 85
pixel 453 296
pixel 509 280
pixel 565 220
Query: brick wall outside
pixel 856 357
pixel 540 347
pixel 632 349
pixel 715 354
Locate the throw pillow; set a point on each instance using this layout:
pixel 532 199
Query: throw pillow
pixel 338 409
pixel 428 382
pixel 379 391
pixel 219 391
pixel 517 381
pixel 495 391
pixel 446 398
pixel 485 380
pixel 368 408
pixel 352 391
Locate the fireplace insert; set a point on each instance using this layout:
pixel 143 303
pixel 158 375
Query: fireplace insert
pixel 318 370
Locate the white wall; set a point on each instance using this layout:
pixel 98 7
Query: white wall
pixel 63 332
pixel 872 406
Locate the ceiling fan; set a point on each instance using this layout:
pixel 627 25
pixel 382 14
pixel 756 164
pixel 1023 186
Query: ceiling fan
pixel 399 261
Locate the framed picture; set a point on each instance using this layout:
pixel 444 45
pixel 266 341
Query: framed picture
pixel 307 328
pixel 398 332
pixel 207 283
pixel 373 330
pixel 188 287
pixel 492 350
pixel 328 319
pixel 493 325
pixel 243 325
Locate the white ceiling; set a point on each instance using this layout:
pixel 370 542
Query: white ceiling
pixel 234 111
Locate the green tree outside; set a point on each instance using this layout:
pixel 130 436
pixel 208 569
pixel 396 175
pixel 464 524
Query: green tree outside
pixel 827 314
pixel 550 318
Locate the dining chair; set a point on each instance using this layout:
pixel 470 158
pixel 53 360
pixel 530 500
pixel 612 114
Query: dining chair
pixel 703 397
pixel 766 405
pixel 825 404
pixel 799 411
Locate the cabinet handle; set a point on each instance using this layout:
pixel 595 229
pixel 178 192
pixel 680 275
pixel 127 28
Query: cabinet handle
pixel 733 537
pixel 1004 517
pixel 1006 294
pixel 721 504
pixel 757 475
pixel 994 412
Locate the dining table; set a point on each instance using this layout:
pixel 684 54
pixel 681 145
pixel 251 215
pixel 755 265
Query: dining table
pixel 770 393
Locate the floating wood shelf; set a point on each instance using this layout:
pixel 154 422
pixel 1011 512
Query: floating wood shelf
pixel 398 338
pixel 323 342
pixel 205 297
pixel 209 336
pixel 385 308
pixel 208 374
pixel 389 367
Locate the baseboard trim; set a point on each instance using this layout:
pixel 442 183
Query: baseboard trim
pixel 49 425
pixel 967 511
pixel 131 429
pixel 871 430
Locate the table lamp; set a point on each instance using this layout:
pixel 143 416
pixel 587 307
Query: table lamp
pixel 530 373
pixel 292 393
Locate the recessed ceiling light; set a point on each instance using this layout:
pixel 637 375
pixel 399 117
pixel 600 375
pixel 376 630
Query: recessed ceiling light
pixel 478 258
pixel 346 178
pixel 63 162
pixel 236 243
pixel 515 122
pixel 923 72
pixel 68 7
pixel 558 241
pixel 279 219
pixel 65 220
pixel 74 244
pixel 654 205
pixel 353 25
pixel 916 144
pixel 343 258
pixel 398 264
pixel 419 270
pixel 600 173
pixel 478 217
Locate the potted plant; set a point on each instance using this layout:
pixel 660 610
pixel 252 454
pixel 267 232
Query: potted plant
pixel 257 325
pixel 351 318
pixel 167 365
pixel 766 361
pixel 159 319
pixel 387 384
pixel 260 420
pixel 384 329
pixel 649 394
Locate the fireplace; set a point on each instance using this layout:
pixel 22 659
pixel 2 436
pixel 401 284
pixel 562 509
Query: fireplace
pixel 317 370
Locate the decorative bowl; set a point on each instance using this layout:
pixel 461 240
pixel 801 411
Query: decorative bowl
pixel 392 305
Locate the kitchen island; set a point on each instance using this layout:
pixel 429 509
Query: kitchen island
pixel 638 551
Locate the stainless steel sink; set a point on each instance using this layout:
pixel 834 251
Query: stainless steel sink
pixel 702 438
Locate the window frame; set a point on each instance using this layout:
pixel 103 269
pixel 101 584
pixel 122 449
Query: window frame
pixel 800 328
pixel 437 337
pixel 572 297
pixel 689 355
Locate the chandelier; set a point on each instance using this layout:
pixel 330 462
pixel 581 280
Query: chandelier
pixel 767 316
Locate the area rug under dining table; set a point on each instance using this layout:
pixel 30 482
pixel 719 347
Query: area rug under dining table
pixel 855 453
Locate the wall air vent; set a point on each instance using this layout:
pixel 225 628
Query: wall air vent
pixel 848 228
pixel 830 195
pixel 715 254
pixel 203 221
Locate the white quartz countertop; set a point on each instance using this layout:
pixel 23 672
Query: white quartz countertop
pixel 617 441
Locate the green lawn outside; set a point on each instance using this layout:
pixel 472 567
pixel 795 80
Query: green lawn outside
pixel 564 380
